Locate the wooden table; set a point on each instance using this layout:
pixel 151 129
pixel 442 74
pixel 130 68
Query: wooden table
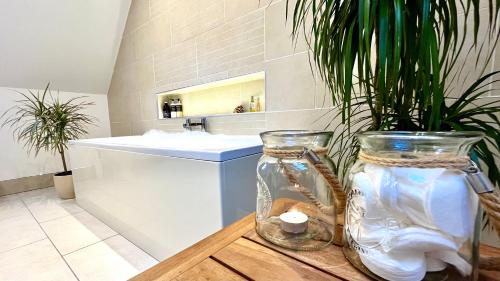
pixel 238 253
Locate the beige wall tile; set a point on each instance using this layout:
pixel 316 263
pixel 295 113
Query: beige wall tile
pixel 148 107
pixel 124 108
pixel 193 17
pixel 121 129
pixel 300 119
pixel 138 14
pixel 181 43
pixel 158 7
pixel 323 96
pixel 247 69
pixel 279 42
pixel 185 17
pixel 233 45
pixel 176 64
pixel 238 8
pixel 152 37
pixel 465 65
pixel 126 54
pixel 144 74
pixel 495 86
pixel 117 109
pixel 289 83
pixel 139 127
pixel 211 14
pixel 117 86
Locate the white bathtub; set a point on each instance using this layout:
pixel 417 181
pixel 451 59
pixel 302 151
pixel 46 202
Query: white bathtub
pixel 165 192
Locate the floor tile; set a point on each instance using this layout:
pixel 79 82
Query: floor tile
pixel 38 261
pixel 112 259
pixel 18 231
pixel 12 206
pixel 74 232
pixel 46 205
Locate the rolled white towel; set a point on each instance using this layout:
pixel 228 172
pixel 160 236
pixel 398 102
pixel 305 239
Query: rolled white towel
pixel 454 216
pixel 419 239
pixel 366 197
pixel 434 265
pixel 395 266
pixel 422 194
pixel 454 259
pixel 416 176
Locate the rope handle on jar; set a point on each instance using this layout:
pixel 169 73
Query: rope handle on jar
pixel 312 156
pixel 488 196
pixel 339 196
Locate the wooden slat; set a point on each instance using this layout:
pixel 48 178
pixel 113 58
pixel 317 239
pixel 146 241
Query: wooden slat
pixel 330 259
pixel 486 252
pixel 183 261
pixel 209 270
pixel 261 263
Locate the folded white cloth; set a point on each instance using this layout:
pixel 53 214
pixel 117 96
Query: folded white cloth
pixel 421 195
pixel 449 206
pixel 411 220
pixel 419 239
pixel 434 265
pixel 385 185
pixel 453 258
pixel 395 266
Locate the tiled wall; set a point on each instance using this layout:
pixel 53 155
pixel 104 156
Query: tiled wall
pixel 170 44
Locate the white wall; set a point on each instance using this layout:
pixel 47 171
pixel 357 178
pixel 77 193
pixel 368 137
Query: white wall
pixel 14 161
pixel 72 43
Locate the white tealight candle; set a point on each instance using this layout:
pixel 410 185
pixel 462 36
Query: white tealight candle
pixel 294 222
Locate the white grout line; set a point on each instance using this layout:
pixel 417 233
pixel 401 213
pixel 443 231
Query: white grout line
pixel 102 240
pixel 69 214
pixel 53 245
pixel 15 248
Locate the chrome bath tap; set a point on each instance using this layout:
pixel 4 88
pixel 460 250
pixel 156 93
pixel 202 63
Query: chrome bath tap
pixel 188 125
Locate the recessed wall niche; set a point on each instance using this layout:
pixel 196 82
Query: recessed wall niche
pixel 238 95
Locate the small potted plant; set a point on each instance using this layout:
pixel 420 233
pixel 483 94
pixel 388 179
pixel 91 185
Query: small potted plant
pixel 44 122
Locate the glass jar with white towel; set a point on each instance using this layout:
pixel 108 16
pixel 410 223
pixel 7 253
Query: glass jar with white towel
pixel 411 214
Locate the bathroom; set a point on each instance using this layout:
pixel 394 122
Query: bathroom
pixel 177 94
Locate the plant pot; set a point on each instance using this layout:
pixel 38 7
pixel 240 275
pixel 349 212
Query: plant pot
pixel 63 182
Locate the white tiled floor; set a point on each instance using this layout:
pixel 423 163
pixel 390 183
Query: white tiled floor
pixel 45 238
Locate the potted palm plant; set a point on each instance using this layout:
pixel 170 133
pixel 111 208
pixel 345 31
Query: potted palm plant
pixel 400 66
pixel 43 122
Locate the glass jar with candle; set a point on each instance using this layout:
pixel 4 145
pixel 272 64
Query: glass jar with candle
pixel 411 213
pixel 298 196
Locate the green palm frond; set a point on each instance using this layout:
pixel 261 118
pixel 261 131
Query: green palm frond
pixel 42 122
pixel 400 65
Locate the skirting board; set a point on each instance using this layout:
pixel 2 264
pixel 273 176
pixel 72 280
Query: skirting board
pixel 25 184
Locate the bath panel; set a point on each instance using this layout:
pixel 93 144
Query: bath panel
pixel 162 204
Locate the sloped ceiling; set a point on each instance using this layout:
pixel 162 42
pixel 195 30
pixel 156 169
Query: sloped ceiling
pixel 71 43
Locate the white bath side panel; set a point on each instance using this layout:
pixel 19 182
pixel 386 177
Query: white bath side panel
pixel 239 188
pixel 161 204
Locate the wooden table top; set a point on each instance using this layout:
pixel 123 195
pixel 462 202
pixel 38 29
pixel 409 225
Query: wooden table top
pixel 238 253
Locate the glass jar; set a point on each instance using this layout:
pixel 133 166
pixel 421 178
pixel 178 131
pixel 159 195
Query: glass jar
pixel 410 212
pixel 295 203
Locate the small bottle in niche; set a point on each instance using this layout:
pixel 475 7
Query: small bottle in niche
pixel 173 108
pixel 180 113
pixel 252 104
pixel 166 110
pixel 257 105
